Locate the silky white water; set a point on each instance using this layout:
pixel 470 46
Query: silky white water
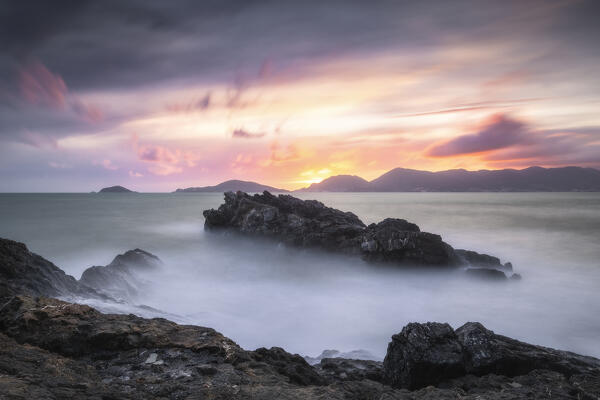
pixel 263 294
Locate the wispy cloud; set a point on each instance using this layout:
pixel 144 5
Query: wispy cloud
pixel 39 140
pixel 199 104
pixel 244 134
pixel 41 87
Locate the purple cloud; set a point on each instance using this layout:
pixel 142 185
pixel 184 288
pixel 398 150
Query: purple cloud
pixel 500 132
pixel 243 134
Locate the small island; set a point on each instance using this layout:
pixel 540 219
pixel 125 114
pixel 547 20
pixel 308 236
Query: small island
pixel 116 189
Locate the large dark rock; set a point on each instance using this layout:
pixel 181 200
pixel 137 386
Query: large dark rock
pixel 486 352
pixel 296 222
pixel 478 260
pixel 309 223
pixel 422 355
pixel 431 353
pixel 399 241
pixel 122 279
pixel 23 272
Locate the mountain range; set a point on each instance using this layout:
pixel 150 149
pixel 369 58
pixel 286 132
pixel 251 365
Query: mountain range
pixel 532 179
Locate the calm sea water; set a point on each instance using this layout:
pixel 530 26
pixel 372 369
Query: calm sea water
pixel 261 294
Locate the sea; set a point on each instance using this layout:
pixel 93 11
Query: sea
pixel 263 294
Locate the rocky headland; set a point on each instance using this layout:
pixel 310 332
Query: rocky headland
pixel 311 224
pixel 53 349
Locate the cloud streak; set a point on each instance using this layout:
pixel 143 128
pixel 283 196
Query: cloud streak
pixel 244 134
pixel 40 87
pixel 499 132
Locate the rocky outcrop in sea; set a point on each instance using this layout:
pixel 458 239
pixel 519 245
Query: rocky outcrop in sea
pixel 122 279
pixel 52 349
pixel 311 224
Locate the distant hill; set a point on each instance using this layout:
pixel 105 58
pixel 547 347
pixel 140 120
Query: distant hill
pixel 340 183
pixel 232 185
pixel 116 189
pixel 533 179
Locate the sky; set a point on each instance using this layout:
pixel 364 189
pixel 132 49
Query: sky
pixel 157 95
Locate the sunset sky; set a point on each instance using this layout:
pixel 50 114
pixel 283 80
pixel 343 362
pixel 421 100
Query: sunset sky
pixel 160 95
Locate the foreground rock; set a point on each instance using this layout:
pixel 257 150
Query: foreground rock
pixel 309 223
pixel 51 349
pixel 432 353
pixel 121 279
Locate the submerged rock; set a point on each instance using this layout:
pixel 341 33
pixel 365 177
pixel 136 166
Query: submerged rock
pixel 309 223
pixel 486 274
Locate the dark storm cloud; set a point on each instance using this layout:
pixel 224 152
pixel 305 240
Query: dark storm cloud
pixel 129 43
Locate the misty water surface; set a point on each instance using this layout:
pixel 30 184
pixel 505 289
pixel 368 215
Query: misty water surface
pixel 262 294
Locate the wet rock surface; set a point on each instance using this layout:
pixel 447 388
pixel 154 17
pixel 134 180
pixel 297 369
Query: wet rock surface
pixel 52 349
pixel 431 353
pixel 24 272
pixel 121 279
pixel 309 223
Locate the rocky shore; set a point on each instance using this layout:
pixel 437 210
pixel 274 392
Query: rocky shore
pixel 311 224
pixel 53 349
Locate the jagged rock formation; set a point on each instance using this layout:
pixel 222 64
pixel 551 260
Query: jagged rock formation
pixel 309 223
pixel 23 272
pixel 121 278
pixel 51 349
pixel 431 353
